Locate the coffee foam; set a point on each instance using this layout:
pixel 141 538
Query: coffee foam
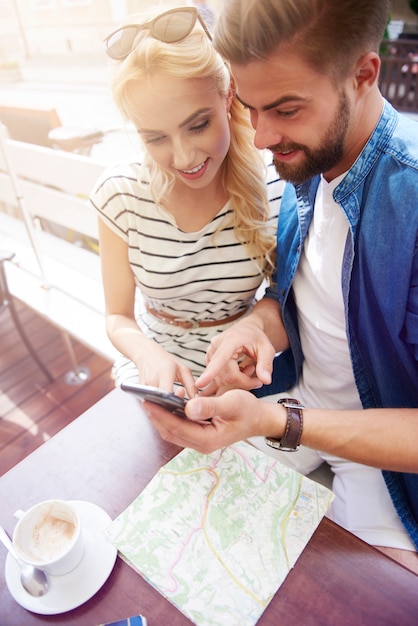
pixel 51 536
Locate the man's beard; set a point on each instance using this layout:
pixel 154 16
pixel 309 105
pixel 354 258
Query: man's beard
pixel 318 160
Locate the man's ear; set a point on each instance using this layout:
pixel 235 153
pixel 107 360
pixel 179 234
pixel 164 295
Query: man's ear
pixel 367 71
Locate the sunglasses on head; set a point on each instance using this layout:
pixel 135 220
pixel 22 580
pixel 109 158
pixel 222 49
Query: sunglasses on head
pixel 169 27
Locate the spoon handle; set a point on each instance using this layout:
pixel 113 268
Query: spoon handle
pixel 7 542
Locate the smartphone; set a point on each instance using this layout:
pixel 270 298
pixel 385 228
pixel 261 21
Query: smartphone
pixel 169 401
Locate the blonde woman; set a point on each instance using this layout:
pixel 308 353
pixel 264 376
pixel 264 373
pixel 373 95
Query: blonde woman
pixel 191 227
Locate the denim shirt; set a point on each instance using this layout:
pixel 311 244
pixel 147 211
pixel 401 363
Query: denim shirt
pixel 379 196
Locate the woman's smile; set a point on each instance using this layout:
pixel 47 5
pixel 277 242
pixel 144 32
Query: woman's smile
pixel 195 172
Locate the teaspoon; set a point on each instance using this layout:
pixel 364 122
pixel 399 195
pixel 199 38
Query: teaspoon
pixel 33 580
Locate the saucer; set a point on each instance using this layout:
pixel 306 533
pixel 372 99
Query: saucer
pixel 70 590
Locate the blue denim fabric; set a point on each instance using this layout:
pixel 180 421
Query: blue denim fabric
pixel 379 196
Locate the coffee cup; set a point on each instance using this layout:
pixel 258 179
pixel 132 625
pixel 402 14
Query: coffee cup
pixel 49 536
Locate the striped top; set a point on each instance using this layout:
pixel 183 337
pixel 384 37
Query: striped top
pixel 205 275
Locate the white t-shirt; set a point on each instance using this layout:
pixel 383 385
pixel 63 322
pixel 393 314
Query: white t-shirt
pixel 362 503
pixel 326 382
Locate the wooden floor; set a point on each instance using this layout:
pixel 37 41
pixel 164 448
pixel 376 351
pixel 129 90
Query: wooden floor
pixel 32 409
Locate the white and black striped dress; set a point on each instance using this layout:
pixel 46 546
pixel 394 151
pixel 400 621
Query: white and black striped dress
pixel 205 275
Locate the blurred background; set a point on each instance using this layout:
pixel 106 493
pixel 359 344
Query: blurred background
pixel 31 29
pixel 52 59
pixel 60 28
pixel 54 72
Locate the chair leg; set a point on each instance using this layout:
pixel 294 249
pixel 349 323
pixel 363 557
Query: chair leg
pixel 77 375
pixel 19 327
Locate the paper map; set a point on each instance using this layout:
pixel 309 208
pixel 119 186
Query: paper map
pixel 217 534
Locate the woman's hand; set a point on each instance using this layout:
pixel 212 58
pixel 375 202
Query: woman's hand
pixel 158 368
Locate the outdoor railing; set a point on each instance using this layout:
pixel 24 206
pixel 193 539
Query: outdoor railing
pixel 399 73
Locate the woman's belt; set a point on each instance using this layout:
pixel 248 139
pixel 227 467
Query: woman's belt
pixel 183 323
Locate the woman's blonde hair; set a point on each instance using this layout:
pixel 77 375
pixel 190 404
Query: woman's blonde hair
pixel 243 169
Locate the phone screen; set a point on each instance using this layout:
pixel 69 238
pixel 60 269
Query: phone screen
pixel 169 401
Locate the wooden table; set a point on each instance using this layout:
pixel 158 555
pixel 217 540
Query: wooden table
pixel 108 455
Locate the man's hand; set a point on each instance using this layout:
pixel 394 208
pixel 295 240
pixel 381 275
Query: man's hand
pixel 241 357
pixel 234 416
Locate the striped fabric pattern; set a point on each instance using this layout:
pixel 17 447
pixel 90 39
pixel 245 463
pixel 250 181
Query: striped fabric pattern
pixel 205 275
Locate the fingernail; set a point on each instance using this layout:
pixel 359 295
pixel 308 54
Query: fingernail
pixel 196 409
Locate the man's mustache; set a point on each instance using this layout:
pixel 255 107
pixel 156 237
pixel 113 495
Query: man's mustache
pixel 286 147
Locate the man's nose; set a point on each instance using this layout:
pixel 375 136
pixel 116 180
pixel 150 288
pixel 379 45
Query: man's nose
pixel 266 132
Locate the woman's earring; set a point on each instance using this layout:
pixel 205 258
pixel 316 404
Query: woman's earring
pixel 229 115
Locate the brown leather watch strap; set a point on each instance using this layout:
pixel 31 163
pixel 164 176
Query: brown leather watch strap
pixel 294 425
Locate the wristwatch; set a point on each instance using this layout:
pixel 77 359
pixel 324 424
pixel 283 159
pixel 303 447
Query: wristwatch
pixel 290 441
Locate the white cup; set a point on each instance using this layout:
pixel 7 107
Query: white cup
pixel 49 536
